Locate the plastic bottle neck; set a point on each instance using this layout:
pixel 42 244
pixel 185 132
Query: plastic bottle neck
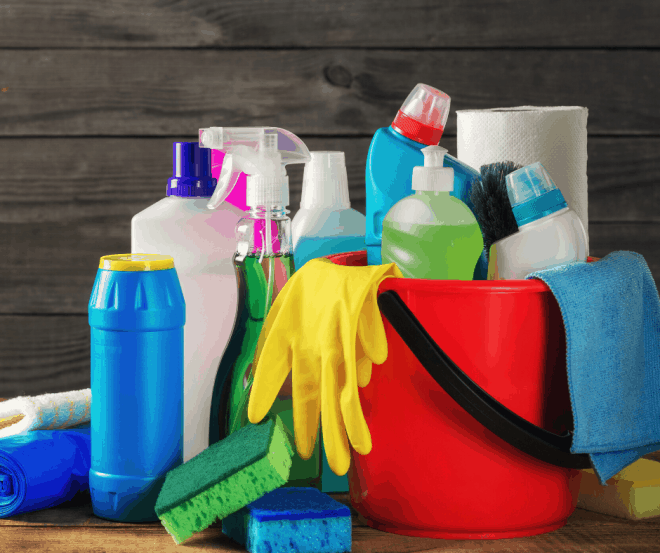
pixel 274 212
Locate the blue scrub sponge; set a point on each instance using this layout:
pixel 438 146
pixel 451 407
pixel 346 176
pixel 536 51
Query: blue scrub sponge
pixel 301 520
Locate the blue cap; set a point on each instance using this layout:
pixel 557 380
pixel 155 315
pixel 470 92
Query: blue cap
pixel 192 171
pixel 533 194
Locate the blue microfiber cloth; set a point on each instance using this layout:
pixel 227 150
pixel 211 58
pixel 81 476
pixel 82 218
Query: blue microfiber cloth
pixel 611 314
pixel 301 520
pixel 42 469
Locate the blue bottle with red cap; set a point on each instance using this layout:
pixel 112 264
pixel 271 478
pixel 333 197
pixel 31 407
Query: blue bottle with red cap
pixel 396 150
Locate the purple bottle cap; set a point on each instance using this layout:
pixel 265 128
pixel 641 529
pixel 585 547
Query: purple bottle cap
pixel 192 172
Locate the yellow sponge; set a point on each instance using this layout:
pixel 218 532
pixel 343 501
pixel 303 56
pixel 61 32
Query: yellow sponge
pixel 633 493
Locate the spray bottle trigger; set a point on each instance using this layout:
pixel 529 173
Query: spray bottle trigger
pixel 227 180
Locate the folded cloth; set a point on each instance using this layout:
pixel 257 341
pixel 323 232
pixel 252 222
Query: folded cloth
pixel 42 469
pixel 611 314
pixel 45 412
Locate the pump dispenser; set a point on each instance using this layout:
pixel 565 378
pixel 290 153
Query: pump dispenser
pixel 396 150
pixel 263 263
pixel 325 223
pixel 431 234
pixel 433 176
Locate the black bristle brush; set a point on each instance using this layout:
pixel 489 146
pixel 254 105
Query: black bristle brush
pixel 491 202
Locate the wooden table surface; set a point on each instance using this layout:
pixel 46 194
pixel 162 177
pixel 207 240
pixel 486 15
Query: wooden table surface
pixel 74 528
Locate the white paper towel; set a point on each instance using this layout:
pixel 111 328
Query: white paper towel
pixel 555 136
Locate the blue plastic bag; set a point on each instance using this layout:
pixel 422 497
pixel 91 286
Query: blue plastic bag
pixel 42 469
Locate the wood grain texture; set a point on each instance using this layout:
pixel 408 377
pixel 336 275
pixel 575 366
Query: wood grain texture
pixel 62 180
pixel 66 202
pixel 41 354
pixel 317 92
pixel 73 528
pixel 304 23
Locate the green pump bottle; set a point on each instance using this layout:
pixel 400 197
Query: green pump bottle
pixel 431 234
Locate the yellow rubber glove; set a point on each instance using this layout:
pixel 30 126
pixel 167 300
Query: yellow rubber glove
pixel 326 329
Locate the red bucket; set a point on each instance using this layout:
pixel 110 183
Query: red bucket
pixel 434 471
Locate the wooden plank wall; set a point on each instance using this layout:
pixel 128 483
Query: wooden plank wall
pixel 92 94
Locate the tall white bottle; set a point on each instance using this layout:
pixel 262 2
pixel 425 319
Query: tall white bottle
pixel 202 242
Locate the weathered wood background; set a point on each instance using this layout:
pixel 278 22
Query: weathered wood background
pixel 92 94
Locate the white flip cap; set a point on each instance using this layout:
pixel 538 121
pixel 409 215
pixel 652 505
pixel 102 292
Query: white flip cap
pixel 433 177
pixel 325 183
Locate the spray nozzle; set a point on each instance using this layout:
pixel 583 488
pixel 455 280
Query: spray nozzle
pixel 433 177
pixel 260 152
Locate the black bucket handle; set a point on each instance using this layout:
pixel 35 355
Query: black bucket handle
pixel 501 421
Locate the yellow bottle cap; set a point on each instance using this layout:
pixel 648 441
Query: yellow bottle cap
pixel 136 262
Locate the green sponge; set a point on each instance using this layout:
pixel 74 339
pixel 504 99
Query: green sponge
pixel 224 478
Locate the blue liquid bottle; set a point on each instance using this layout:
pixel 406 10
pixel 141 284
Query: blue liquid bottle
pixel 396 150
pixel 325 223
pixel 136 315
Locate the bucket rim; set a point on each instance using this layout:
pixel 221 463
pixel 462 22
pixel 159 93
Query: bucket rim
pixel 359 259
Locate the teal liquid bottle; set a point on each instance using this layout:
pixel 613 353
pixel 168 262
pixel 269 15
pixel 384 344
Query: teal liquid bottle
pixel 431 234
pixel 325 223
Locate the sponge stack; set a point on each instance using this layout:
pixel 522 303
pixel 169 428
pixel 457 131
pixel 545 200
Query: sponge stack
pixel 224 478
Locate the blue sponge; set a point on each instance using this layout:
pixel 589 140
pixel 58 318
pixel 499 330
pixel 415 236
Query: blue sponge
pixel 301 520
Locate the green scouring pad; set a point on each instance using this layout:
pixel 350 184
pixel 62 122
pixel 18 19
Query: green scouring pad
pixel 224 478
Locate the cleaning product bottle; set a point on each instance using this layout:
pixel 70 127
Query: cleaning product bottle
pixel 201 241
pixel 325 223
pixel 263 262
pixel 431 234
pixel 396 150
pixel 136 314
pixel 549 232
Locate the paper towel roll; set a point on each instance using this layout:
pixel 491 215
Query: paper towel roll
pixel 555 136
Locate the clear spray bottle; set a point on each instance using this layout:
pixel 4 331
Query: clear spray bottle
pixel 263 263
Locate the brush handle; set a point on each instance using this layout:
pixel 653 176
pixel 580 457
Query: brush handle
pixel 501 421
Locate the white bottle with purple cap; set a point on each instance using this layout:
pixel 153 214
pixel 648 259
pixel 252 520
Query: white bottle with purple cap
pixel 549 232
pixel 202 242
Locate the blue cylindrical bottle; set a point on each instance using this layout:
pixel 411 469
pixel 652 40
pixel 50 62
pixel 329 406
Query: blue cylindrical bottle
pixel 136 315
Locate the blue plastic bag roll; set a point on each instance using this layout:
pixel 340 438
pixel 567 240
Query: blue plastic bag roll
pixel 42 469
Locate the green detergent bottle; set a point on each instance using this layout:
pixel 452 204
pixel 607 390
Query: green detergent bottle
pixel 431 234
pixel 263 263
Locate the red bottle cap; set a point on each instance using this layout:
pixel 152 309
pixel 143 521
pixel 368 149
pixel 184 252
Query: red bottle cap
pixel 423 115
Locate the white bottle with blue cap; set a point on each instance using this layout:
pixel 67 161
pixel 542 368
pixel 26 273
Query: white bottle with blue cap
pixel 202 242
pixel 549 232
